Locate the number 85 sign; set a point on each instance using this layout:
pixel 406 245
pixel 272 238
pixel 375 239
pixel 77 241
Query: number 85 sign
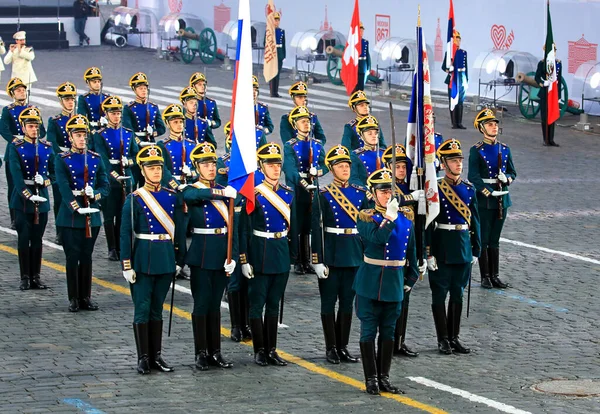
pixel 382 27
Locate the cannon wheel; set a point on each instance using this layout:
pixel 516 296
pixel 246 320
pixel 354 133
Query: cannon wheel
pixel 188 52
pixel 530 107
pixel 208 45
pixel 563 100
pixel 334 67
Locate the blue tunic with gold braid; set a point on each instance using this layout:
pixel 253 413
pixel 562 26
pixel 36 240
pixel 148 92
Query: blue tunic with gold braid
pixel 136 116
pixel 90 106
pixel 364 163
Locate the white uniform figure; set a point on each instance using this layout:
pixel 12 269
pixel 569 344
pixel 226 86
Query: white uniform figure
pixel 21 56
pixel 2 51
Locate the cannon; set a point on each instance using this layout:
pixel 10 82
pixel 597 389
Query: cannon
pixel 334 63
pixel 529 101
pixel 204 44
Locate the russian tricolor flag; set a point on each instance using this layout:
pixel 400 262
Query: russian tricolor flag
pixel 450 52
pixel 243 140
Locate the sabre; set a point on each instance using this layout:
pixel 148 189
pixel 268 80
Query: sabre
pixel 36 206
pixel 172 300
pixel 469 291
pixel 500 199
pixel 86 201
pixel 149 138
pixel 393 148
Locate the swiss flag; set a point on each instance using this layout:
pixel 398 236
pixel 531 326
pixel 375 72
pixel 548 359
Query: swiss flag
pixel 349 72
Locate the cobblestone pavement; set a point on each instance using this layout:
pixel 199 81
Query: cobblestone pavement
pixel 545 327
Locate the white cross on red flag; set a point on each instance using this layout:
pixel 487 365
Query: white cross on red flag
pixel 349 73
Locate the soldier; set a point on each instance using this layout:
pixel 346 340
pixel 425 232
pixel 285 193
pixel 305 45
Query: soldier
pixel 118 147
pixel 351 139
pixel 148 216
pixel 207 255
pixel 304 163
pixel 142 116
pixel 261 138
pixel 90 104
pixel 207 108
pixel 280 42
pixel 541 75
pixel 453 246
pixel 367 159
pixel 491 170
pixel 10 127
pixel 83 183
pixel 32 173
pixel 299 94
pixel 337 251
pixel 390 258
pixel 262 117
pixel 196 128
pixel 364 61
pixel 460 70
pixel 267 243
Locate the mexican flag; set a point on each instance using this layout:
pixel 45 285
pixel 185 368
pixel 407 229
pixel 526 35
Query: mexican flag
pixel 551 75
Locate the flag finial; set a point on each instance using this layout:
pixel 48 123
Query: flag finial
pixel 419 17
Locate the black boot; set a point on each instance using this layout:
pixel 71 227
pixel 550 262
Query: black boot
pixel 494 257
pixel 441 328
pixel 215 357
pixel 484 269
pixel 183 275
pixel 73 287
pixel 386 352
pixel 260 356
pixel 367 352
pixel 109 232
pixel 58 238
pixel 459 116
pixel 244 309
pixel 85 287
pixel 200 342
pixel 299 265
pixel 331 353
pixel 273 357
pixel 24 267
pixel 454 314
pixel 155 334
pixel 400 347
pixel 343 327
pixel 13 225
pixel 233 299
pixel 306 256
pixel 35 267
pixel 140 331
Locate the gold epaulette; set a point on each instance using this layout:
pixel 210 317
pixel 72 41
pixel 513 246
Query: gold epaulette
pixel 45 142
pixel 285 187
pixel 263 104
pixel 94 153
pixel 65 154
pixel 292 141
pixel 478 144
pixel 17 142
pixel 359 151
pixel 168 190
pixel 366 215
pixel 358 187
pixel 408 213
pixel 223 171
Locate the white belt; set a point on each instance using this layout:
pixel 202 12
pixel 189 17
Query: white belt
pixel 177 177
pixel 78 193
pixel 237 209
pixel 490 181
pixel 93 123
pixel 461 69
pixel 29 182
pixel 153 237
pixel 457 227
pixel 141 134
pixel 362 58
pixel 18 136
pixel 115 162
pixel 335 230
pixel 63 149
pixel 280 45
pixel 384 263
pixel 197 230
pixel 303 175
pixel 270 235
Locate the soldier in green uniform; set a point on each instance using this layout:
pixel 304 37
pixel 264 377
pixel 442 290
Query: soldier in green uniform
pixel 337 251
pixel 148 217
pixel 351 139
pixel 280 42
pixel 31 165
pixel 90 104
pixel 390 258
pixel 541 78
pixel 207 107
pixel 491 171
pixel 142 116
pixel 268 242
pixel 262 117
pixel 208 205
pixel 83 183
pixel 304 163
pixel 118 147
pixel 59 138
pixel 453 245
pixel 197 129
pixel 299 94
pixel 366 159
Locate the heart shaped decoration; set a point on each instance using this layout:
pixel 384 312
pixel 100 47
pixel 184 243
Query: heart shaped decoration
pixel 498 34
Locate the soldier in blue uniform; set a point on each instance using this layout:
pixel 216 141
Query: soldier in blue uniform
pixel 59 138
pixel 389 268
pixel 491 171
pixel 207 108
pixel 261 138
pixel 90 104
pixel 149 217
pixel 280 42
pixel 304 163
pixel 83 183
pixel 262 116
pixel 32 172
pixel 541 79
pixel 337 251
pixel 460 70
pixel 142 116
pixel 367 159
pixel 118 147
pixel 364 61
pixel 299 94
pixel 351 139
pixel 453 245
pixel 10 128
pixel 208 204
pixel 268 242
pixel 196 128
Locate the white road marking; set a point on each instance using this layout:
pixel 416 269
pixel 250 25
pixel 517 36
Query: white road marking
pixel 469 396
pixel 552 251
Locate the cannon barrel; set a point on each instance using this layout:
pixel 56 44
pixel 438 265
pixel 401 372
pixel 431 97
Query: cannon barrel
pixel 527 80
pixel 188 35
pixel 330 50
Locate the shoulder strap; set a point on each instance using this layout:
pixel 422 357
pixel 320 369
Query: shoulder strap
pixel 156 209
pixel 275 200
pixel 218 204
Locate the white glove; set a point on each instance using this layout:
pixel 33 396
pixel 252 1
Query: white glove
pixel 313 171
pixel 213 123
pixel 87 210
pixel 103 121
pixel 321 270
pixel 124 161
pixel 123 177
pixel 89 191
pixel 38 179
pixel 474 260
pixel 230 192
pixel 149 129
pixel 129 275
pixel 499 193
pixel 391 210
pixel 432 263
pixel 180 187
pixel 37 199
pixel 229 267
pixel 423 268
pixel 247 271
pixel 178 269
pixel 407 288
pixel 451 68
pixel 502 177
pixel 417 193
pixel 547 83
pixel 266 131
pixel 186 170
pixel 311 187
